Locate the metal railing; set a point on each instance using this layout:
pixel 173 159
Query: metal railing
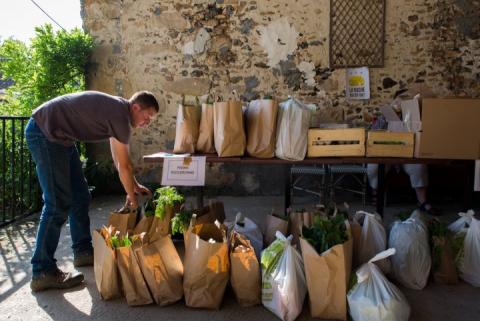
pixel 19 189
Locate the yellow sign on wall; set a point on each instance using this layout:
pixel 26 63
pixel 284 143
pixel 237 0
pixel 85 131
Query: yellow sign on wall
pixel 358 83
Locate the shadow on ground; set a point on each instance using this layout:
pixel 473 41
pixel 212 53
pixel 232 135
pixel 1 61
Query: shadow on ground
pixel 17 302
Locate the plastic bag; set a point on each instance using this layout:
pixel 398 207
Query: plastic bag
pixel 412 261
pixel 469 256
pixel 372 239
pixel 283 280
pixel 470 266
pixel 292 130
pixel 249 229
pixel 461 223
pixel 374 297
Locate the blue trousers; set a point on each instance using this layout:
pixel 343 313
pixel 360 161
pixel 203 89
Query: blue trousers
pixel 65 195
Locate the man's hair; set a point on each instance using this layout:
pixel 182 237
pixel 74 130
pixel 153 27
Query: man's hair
pixel 145 99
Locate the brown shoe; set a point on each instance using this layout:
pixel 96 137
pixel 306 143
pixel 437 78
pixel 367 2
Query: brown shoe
pixel 56 280
pixel 83 259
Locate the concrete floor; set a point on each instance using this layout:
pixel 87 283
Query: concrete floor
pixel 17 302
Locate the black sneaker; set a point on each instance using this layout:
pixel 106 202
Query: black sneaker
pixel 56 280
pixel 429 209
pixel 83 259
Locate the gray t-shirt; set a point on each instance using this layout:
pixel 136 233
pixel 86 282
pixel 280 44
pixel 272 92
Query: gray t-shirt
pixel 84 116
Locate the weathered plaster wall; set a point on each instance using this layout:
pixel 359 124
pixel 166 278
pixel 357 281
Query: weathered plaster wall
pixel 255 47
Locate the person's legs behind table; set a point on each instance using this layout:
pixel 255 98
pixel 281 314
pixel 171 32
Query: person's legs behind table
pixel 372 175
pixel 53 171
pixel 418 174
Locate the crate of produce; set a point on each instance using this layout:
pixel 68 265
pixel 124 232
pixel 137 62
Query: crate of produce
pixel 390 144
pixel 336 142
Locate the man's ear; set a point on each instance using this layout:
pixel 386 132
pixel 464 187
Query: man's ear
pixel 136 107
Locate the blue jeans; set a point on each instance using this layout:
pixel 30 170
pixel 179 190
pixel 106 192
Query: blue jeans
pixel 65 194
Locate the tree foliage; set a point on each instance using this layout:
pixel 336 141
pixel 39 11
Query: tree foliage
pixel 53 64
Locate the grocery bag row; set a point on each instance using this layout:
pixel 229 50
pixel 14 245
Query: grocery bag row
pixel 297 253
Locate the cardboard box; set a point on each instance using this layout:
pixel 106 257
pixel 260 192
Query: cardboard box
pixel 450 129
pixel 336 142
pixel 390 144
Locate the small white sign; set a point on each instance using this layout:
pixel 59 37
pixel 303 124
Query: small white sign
pixel 358 83
pixel 188 171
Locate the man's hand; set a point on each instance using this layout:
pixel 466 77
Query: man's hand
pixel 131 202
pixel 142 190
pixel 121 158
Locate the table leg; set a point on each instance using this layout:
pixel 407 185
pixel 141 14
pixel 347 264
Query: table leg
pixel 469 169
pixel 381 189
pixel 287 188
pixel 200 197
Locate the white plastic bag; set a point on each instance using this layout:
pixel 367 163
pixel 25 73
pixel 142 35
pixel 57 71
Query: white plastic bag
pixel 469 264
pixel 374 298
pixel 412 261
pixel 461 223
pixel 373 239
pixel 292 129
pixel 249 229
pixel 283 279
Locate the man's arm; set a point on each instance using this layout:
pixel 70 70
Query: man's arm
pixel 124 166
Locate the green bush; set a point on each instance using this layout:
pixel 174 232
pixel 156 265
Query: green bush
pixel 53 64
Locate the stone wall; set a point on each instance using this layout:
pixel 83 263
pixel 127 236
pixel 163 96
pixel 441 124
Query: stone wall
pixel 258 47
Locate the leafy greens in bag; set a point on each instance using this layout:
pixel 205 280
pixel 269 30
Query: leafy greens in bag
pixel 326 232
pixel 167 196
pixel 181 221
pixel 125 241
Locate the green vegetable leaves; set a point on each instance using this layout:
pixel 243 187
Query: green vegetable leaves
pixel 118 241
pixel 326 232
pixel 167 196
pixel 181 221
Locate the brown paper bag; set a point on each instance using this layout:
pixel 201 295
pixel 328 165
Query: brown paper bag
pixel 205 142
pixel 163 270
pixel 443 265
pixel 272 225
pixel 245 275
pixel 229 134
pixel 211 213
pixel 261 128
pixel 123 220
pixel 186 131
pixel 206 266
pixel 297 221
pixel 105 268
pixel 162 227
pixel 328 276
pixel 134 286
pixel 144 225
